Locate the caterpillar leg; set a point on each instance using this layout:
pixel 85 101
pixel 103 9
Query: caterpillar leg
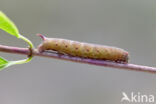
pixel 53 51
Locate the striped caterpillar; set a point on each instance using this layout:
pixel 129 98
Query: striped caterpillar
pixel 84 50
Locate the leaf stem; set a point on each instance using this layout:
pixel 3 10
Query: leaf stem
pixel 27 40
pixel 19 61
pixel 29 55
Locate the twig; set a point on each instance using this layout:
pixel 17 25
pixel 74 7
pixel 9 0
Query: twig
pixel 25 51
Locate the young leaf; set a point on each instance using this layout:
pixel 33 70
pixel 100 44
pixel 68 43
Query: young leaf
pixel 7 25
pixel 3 63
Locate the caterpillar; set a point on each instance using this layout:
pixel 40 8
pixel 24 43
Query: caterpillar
pixel 84 50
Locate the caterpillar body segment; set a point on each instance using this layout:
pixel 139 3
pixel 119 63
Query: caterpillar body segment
pixel 85 50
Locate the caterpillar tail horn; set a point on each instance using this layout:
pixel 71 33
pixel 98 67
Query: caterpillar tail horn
pixel 42 36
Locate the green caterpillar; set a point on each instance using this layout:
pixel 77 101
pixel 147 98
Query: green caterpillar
pixel 85 50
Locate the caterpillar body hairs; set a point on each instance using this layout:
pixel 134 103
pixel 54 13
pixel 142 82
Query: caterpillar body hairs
pixel 84 50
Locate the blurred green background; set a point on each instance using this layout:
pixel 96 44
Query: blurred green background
pixel 128 24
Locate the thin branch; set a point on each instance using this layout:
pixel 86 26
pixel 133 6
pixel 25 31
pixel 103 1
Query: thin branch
pixel 25 51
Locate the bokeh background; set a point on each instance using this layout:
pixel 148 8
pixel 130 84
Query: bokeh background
pixel 128 24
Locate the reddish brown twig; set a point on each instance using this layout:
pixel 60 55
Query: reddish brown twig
pixel 25 51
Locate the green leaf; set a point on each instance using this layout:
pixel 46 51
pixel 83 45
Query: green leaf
pixel 3 63
pixel 7 25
